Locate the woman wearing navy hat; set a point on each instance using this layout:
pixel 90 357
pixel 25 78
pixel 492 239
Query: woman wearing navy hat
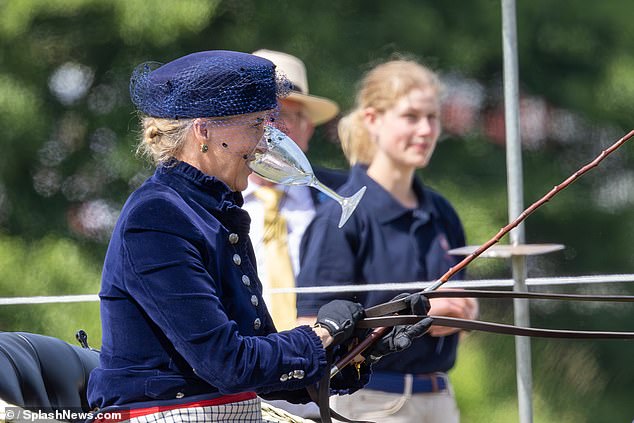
pixel 186 334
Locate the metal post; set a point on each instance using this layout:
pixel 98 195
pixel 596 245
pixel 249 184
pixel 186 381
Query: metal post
pixel 516 204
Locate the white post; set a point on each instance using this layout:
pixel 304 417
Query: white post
pixel 516 204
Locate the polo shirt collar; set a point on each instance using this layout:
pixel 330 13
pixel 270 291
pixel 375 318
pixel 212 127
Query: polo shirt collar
pixel 385 206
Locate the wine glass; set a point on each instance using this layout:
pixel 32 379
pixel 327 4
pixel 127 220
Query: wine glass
pixel 278 159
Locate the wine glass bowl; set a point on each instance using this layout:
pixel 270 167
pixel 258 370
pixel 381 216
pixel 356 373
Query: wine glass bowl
pixel 278 159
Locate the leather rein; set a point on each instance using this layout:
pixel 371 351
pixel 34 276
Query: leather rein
pixel 385 316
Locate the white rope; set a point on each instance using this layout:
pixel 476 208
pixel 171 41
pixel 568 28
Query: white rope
pixel 50 299
pixel 483 283
pixel 398 286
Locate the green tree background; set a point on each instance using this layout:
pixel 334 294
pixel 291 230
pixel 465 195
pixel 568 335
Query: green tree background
pixel 67 161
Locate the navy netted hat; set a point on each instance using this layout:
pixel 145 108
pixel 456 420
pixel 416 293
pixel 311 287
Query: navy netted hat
pixel 207 84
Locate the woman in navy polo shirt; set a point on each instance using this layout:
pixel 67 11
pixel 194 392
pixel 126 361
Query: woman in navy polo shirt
pixel 400 232
pixel 186 333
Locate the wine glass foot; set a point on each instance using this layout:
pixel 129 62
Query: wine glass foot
pixel 348 204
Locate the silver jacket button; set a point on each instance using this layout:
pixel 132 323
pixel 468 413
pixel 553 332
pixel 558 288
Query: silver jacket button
pixel 298 374
pixel 179 395
pixel 254 300
pixel 257 323
pixel 237 259
pixel 234 238
pixel 284 378
pixel 245 280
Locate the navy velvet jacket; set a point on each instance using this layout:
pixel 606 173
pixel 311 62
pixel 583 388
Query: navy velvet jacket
pixel 383 242
pixel 181 304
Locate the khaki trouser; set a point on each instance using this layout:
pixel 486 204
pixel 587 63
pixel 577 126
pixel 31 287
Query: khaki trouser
pixel 386 407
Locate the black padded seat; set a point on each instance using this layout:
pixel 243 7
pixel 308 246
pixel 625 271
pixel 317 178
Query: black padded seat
pixel 44 373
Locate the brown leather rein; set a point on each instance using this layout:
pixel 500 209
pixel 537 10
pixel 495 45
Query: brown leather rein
pixel 395 306
pixel 384 315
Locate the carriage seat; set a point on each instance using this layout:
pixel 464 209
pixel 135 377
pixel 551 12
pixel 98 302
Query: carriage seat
pixel 44 373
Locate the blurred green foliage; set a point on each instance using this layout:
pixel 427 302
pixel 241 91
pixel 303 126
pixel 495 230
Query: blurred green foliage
pixel 50 266
pixel 67 161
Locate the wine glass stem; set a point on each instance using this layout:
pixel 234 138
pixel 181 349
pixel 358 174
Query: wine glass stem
pixel 323 188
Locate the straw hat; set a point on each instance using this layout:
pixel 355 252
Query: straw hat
pixel 318 109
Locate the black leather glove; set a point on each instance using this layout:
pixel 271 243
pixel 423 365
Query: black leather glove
pixel 416 303
pixel 401 336
pixel 339 317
